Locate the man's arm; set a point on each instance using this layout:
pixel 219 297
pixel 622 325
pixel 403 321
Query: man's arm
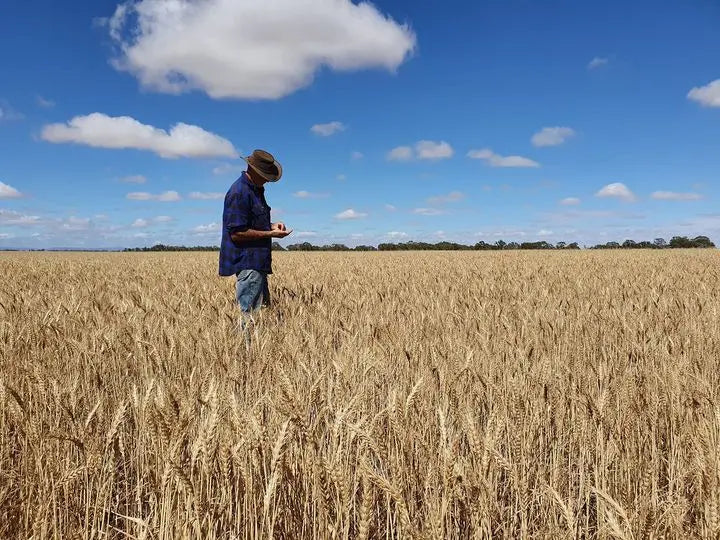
pixel 251 234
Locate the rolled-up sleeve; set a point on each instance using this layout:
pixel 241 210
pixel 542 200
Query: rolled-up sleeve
pixel 236 215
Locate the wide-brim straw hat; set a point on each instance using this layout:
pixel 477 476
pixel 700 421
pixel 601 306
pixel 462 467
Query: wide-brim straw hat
pixel 265 165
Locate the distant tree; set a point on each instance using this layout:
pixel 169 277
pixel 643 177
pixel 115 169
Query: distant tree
pixel 629 244
pixel 365 248
pixel 277 247
pixel 500 244
pixel 702 242
pixel 561 245
pixel 660 243
pixel 573 245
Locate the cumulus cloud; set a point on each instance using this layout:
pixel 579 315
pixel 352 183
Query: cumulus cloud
pixel 165 196
pixel 305 234
pixel 598 62
pixel 552 136
pixel 9 192
pixel 427 211
pixel 453 196
pixel 163 219
pixel 675 196
pixel 251 50
pixel 134 179
pixel 207 229
pixel 308 195
pixel 397 235
pixel 400 153
pixel 357 155
pixel 708 95
pixel 325 130
pixel 433 150
pixel 616 190
pixel 103 131
pixel 496 160
pixel 205 196
pixel 138 223
pixel 429 150
pixel 570 201
pixel 12 217
pixel 544 232
pixel 390 208
pixel 350 214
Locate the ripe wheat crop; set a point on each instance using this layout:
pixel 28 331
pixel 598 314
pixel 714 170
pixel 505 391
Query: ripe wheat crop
pixel 385 395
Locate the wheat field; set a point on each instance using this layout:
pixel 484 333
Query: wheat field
pixel 385 395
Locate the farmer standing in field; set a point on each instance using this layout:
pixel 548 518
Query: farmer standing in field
pixel 247 233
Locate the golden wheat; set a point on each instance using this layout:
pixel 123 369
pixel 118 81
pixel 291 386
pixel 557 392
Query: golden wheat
pixel 385 395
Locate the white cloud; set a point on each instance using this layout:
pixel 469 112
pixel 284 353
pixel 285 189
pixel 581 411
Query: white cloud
pixel 138 223
pixel 675 196
pixel 597 62
pixel 496 160
pixel 433 150
pixel 544 232
pixel 350 214
pixel 325 130
pixel 102 131
pixel 166 196
pixel 357 155
pixel 76 224
pixel 5 236
pixel 163 219
pixel 134 179
pixel 428 211
pixel 390 208
pixel 45 103
pixel 552 136
pixel 251 50
pixel 11 217
pixel 397 235
pixel 205 196
pixel 207 229
pixel 570 201
pixel 401 153
pixel 228 168
pixel 616 190
pixel 9 192
pixel 453 196
pixel 341 177
pixel 305 234
pixel 708 95
pixel 429 150
pixel 308 195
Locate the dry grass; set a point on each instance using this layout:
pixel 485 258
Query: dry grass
pixel 443 395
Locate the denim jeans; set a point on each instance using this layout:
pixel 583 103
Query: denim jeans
pixel 251 290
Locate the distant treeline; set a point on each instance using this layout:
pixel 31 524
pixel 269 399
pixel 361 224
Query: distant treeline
pixel 658 243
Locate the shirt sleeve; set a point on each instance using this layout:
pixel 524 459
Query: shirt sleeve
pixel 236 216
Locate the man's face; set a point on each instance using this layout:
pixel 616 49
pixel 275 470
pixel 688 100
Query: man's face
pixel 257 179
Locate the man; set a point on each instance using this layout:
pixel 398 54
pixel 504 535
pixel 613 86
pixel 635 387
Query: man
pixel 247 233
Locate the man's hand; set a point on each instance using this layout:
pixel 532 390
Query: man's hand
pixel 278 226
pixel 277 233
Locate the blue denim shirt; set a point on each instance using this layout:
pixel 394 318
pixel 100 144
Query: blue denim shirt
pixel 245 208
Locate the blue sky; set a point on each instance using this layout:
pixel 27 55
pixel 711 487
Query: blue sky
pixel 122 124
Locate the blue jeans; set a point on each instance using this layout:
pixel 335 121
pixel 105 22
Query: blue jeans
pixel 251 290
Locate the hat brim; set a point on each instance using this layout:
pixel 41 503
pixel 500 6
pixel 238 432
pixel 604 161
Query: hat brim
pixel 268 177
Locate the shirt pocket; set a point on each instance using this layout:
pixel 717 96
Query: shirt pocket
pixel 260 216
